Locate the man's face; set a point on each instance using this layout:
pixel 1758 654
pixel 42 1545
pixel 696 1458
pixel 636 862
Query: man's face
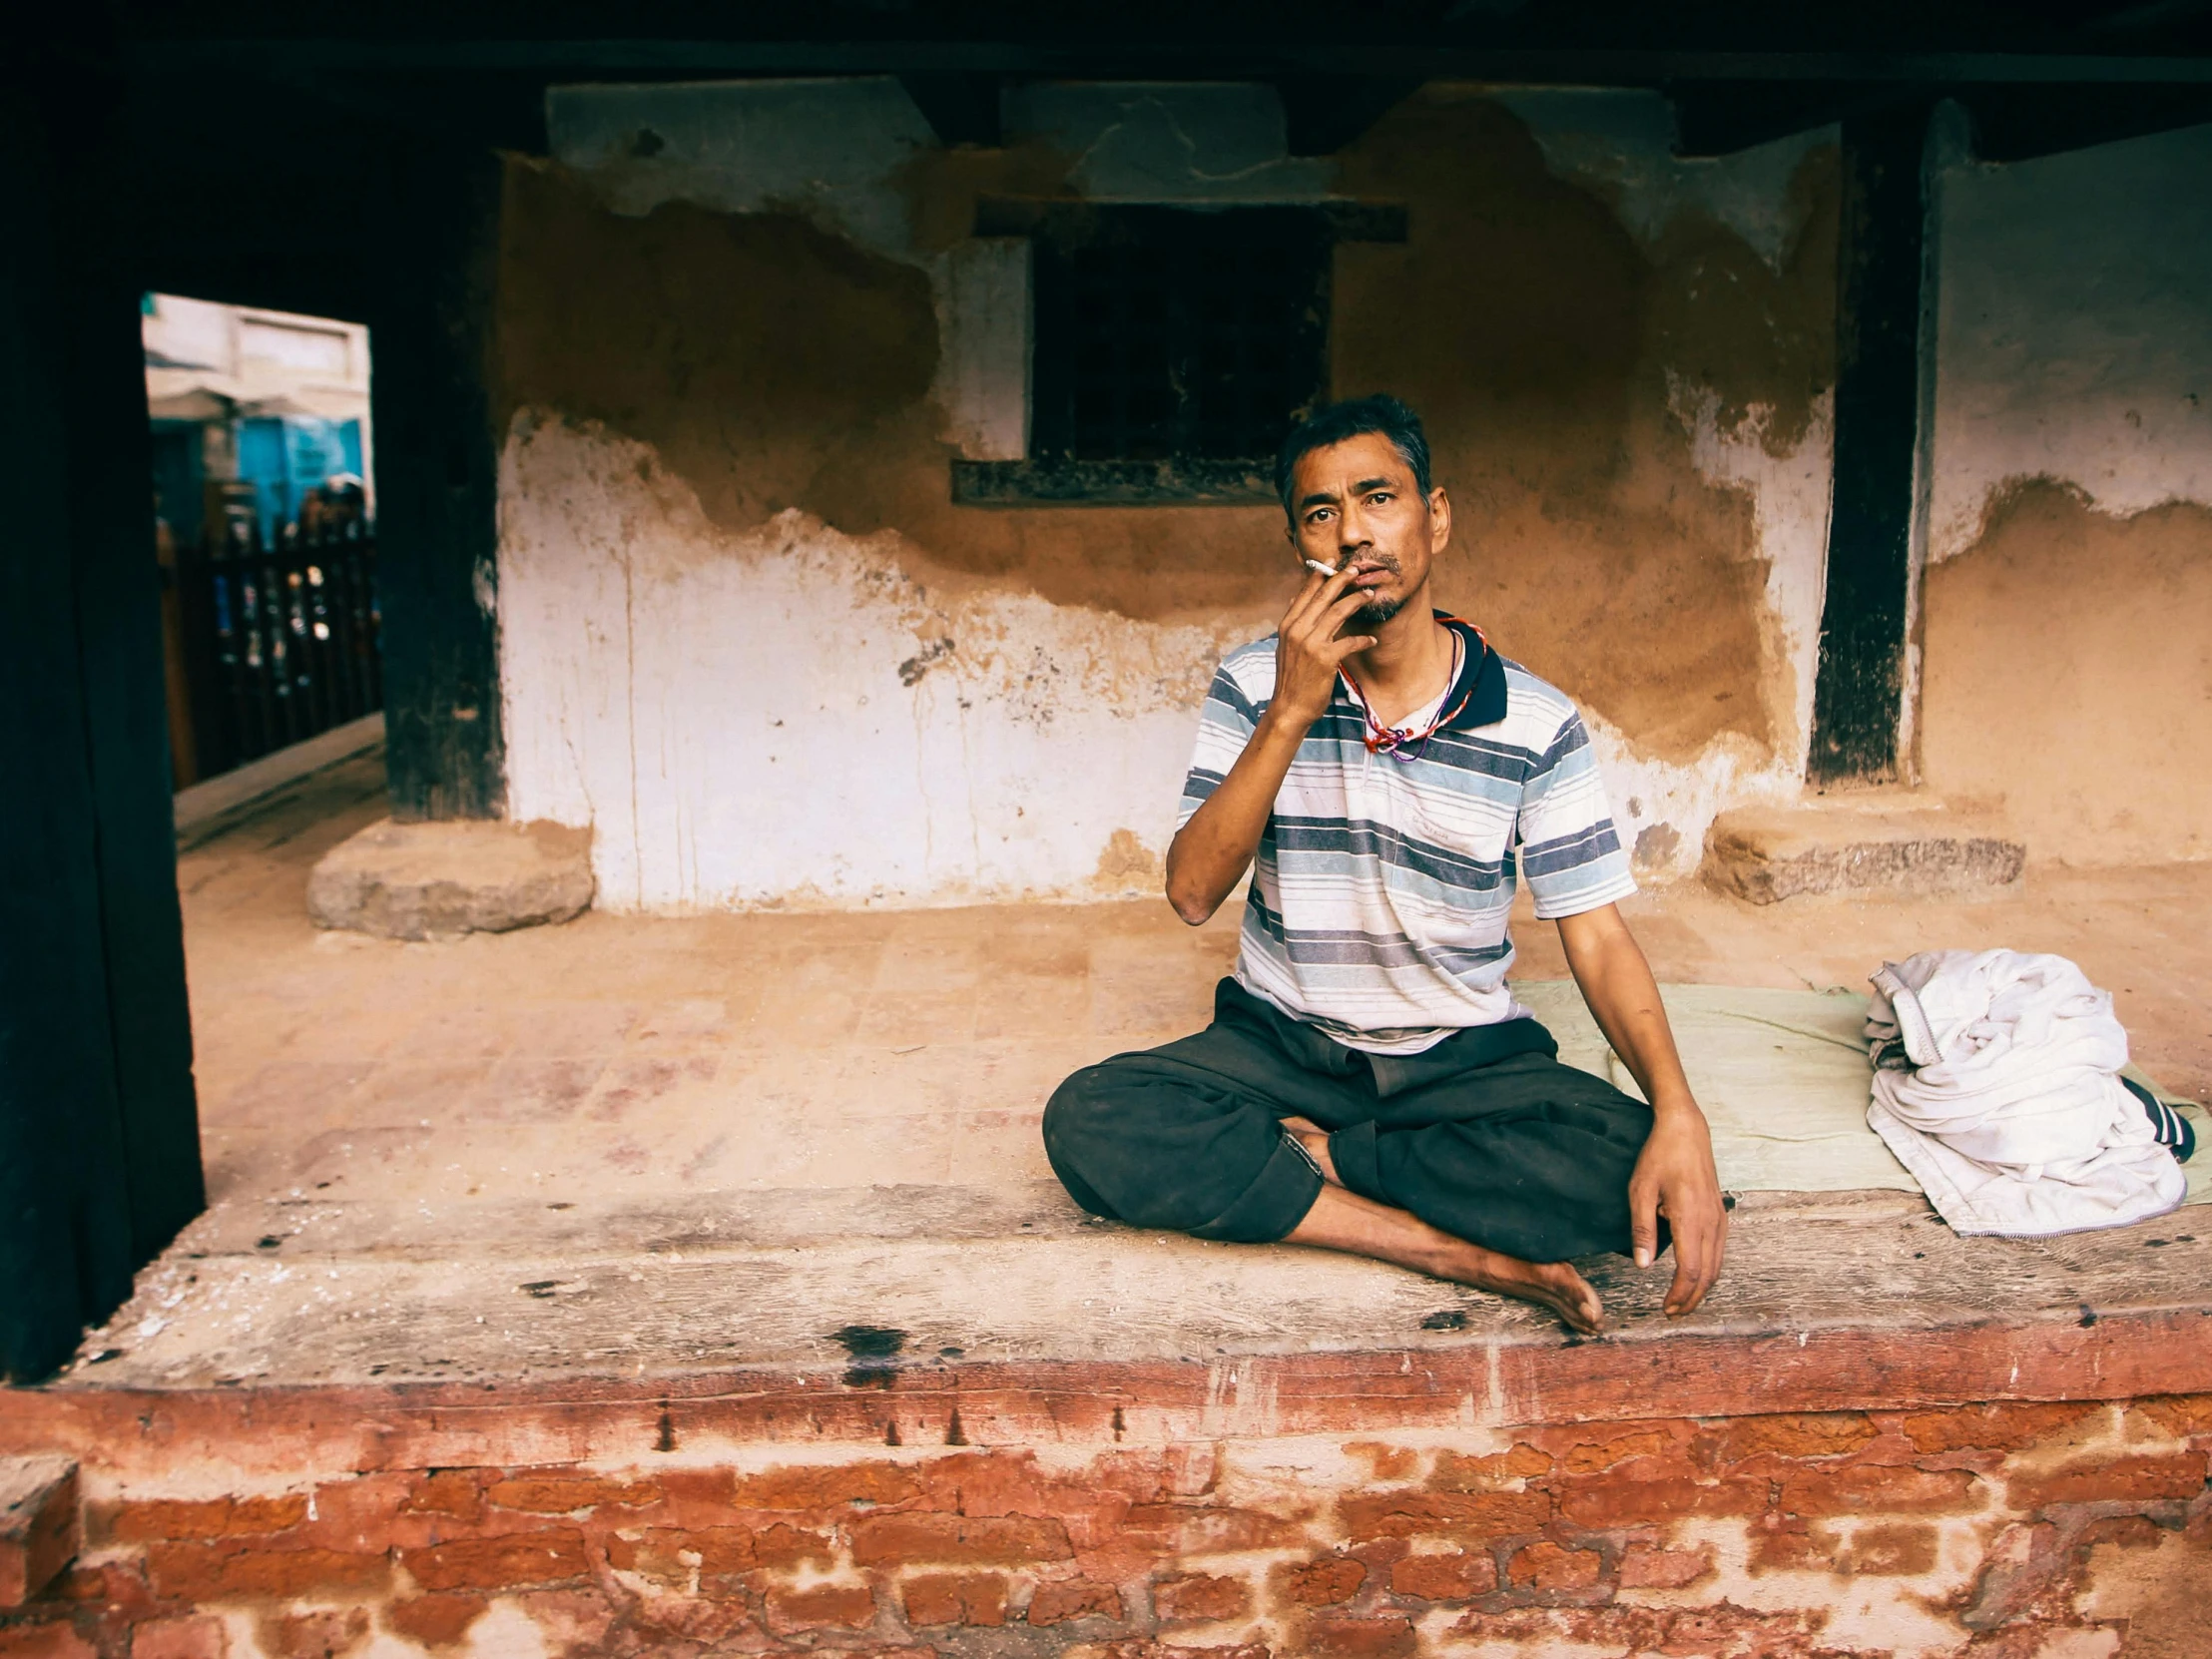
pixel 1355 503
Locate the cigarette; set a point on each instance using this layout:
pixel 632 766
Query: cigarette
pixel 1320 569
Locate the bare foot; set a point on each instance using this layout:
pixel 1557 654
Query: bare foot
pixel 1555 1285
pixel 1315 1139
pixel 1341 1220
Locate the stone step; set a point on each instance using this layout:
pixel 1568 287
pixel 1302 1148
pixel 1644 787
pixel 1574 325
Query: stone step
pixel 39 1525
pixel 1888 843
pixel 435 880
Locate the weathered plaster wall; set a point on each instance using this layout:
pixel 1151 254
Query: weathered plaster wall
pixel 2069 599
pixel 744 330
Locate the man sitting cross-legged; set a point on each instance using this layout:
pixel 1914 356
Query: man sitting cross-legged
pixel 1369 1083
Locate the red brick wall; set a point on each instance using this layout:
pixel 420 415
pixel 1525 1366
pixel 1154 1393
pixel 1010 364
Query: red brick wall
pixel 1992 1531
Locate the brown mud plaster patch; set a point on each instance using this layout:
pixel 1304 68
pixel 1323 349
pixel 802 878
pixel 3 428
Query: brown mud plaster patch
pixel 941 187
pixel 2067 648
pixel 1126 862
pixel 1537 338
pixel 774 366
pixel 1655 846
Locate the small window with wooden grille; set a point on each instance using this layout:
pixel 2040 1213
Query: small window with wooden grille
pixel 1171 348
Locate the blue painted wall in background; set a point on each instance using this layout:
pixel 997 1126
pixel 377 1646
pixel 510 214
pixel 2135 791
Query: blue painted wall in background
pixel 285 457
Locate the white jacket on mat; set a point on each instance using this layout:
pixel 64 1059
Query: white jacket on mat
pixel 1996 1084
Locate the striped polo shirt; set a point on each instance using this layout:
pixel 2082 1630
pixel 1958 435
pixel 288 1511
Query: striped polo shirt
pixel 1382 885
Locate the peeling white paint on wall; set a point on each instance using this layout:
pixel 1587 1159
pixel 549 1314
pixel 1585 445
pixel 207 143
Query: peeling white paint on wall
pixel 1170 141
pixel 1790 502
pixel 1622 144
pixel 830 149
pixel 793 717
pixel 2075 331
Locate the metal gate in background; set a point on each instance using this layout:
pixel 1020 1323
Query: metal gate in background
pixel 277 634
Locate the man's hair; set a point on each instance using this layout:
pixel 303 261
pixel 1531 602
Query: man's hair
pixel 1335 422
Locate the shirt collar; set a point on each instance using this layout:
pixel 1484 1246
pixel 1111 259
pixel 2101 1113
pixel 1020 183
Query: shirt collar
pixel 1477 696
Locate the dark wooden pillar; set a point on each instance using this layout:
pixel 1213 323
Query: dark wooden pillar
pixel 1858 689
pixel 437 460
pixel 98 1142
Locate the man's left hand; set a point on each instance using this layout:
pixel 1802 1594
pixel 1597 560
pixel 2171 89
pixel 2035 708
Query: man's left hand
pixel 1675 1178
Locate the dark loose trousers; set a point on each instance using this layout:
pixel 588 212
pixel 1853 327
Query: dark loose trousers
pixel 1486 1135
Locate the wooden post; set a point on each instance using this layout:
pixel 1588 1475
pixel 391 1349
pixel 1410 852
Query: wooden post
pixel 1858 688
pixel 99 1139
pixel 437 484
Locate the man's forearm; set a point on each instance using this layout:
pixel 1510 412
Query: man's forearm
pixel 1211 852
pixel 1617 983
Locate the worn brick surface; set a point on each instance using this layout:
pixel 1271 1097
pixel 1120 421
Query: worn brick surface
pixel 1349 1638
pixel 1456 1576
pixel 2177 1475
pixel 955 1599
pixel 217 1572
pixel 436 1621
pixel 554 1495
pixel 1630 1539
pixel 1548 1567
pixel 1800 1434
pixel 2180 1414
pixel 1456 1473
pixel 189 1636
pixel 322 1634
pixel 1059 1600
pixel 221 1517
pixel 455 1494
pixel 44 1639
pixel 826 1487
pixel 1669 1492
pixel 1645 1568
pixel 1621 1443
pixel 1881 1489
pixel 1201 1597
pixel 41 1524
pixel 823 1606
pixel 1446 1515
pixel 503 1561
pixel 994 1540
pixel 1197 1529
pixel 2003 1425
pixel 1321 1583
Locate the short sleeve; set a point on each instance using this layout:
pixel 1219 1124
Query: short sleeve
pixel 1225 726
pixel 1570 854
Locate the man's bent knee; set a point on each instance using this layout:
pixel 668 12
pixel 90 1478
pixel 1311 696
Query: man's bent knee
pixel 1077 1124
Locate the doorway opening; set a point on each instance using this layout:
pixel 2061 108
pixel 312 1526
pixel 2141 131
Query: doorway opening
pixel 264 505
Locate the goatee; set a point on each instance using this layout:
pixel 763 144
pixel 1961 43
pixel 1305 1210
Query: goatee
pixel 1367 617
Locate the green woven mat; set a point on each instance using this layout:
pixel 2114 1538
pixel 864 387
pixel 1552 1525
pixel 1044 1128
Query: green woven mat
pixel 1783 1077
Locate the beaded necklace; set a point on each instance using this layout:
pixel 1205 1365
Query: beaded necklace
pixel 1385 739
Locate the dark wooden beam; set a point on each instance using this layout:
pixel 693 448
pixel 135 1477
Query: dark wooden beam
pixel 2015 125
pixel 99 1149
pixel 960 108
pixel 118 597
pixel 1860 681
pixel 1720 118
pixel 1324 113
pixel 1111 52
pixel 436 229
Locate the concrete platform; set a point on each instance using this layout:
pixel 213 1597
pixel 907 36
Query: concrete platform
pixel 697 1286
pixel 638 1147
pixel 1902 846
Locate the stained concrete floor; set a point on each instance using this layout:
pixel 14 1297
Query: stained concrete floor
pixel 712 1140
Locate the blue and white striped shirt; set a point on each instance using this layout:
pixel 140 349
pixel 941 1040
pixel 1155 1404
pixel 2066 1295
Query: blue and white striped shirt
pixel 1382 887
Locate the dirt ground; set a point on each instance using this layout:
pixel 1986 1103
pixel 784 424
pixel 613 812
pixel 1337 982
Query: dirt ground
pixel 642 1055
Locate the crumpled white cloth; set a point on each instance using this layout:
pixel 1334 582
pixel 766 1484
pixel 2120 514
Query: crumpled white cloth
pixel 1997 1083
